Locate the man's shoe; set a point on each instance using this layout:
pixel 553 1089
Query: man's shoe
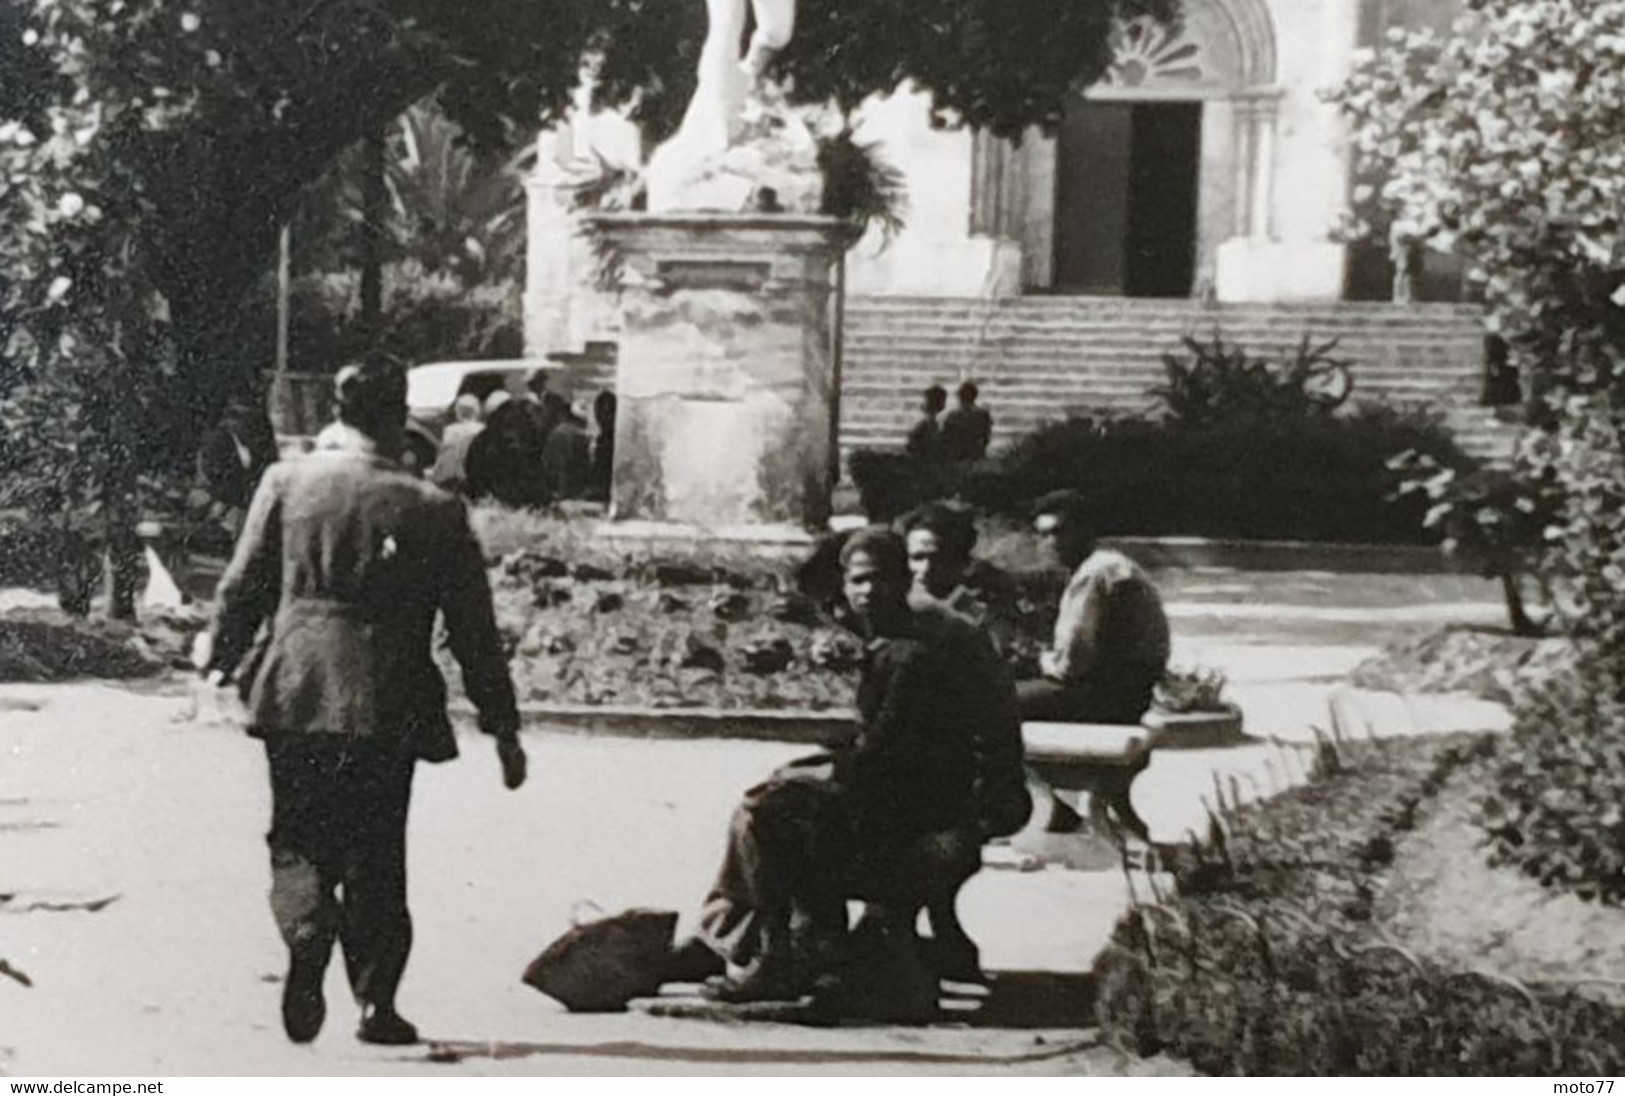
pixel 386 1028
pixel 762 982
pixel 692 962
pixel 303 1008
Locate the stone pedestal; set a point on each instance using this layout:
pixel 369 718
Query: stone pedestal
pixel 728 374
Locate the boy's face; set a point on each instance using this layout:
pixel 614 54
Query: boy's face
pixel 872 593
pixel 936 569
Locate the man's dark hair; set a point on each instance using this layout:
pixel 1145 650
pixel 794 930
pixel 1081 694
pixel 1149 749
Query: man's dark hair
pixel 880 544
pixel 604 406
pixel 1069 506
pixel 556 404
pixel 954 526
pixel 371 396
pixel 936 397
pixel 968 392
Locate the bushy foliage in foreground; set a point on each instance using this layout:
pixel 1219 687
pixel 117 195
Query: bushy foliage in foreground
pixel 1556 809
pixel 1267 963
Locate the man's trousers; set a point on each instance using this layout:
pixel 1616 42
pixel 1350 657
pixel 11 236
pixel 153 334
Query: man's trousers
pixel 338 856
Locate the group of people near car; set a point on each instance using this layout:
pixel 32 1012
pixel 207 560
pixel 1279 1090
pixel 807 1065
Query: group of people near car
pixel 527 450
pixel 348 559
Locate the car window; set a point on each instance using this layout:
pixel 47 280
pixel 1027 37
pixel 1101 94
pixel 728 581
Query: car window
pixel 480 385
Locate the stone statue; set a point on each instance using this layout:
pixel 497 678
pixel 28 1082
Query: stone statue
pixel 733 146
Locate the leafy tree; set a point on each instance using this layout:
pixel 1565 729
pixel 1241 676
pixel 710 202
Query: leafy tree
pixel 450 247
pixel 150 150
pixel 262 97
pixel 1504 144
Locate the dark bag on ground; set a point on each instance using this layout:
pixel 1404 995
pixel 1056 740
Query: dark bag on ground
pixel 601 965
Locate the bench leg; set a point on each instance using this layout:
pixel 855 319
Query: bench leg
pixel 954 955
pixel 1113 796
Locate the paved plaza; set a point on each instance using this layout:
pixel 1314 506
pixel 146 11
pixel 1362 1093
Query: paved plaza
pixel 109 795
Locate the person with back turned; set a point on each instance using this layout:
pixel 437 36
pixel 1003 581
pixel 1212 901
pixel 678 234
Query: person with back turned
pixel 350 558
pixel 967 430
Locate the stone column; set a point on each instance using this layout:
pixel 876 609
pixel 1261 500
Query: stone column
pixel 556 260
pixel 728 374
pixel 1257 264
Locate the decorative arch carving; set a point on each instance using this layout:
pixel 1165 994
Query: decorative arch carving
pixel 1217 48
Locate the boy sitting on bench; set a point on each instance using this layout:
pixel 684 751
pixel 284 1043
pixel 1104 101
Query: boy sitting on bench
pixel 1111 640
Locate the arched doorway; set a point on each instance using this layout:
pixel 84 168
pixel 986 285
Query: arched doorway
pixel 1157 165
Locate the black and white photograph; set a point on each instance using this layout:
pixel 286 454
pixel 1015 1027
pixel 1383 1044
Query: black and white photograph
pixel 811 538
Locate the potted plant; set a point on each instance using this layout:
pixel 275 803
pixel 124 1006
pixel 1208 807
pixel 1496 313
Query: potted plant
pixel 1189 711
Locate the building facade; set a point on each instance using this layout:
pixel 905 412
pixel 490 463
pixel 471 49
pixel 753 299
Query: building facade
pixel 1205 164
pixel 1197 189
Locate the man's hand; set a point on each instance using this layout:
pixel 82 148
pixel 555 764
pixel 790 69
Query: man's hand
pixel 514 765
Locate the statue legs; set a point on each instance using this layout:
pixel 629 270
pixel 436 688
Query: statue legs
pixel 775 25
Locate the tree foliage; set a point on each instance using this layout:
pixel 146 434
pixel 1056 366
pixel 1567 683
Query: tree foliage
pixel 150 151
pixel 1504 144
pixel 221 113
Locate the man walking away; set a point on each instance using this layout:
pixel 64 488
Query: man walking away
pixel 968 429
pixel 350 558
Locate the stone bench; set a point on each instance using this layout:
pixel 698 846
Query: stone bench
pixel 1101 759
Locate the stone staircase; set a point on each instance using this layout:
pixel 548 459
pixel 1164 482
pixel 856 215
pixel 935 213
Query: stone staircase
pixel 1040 359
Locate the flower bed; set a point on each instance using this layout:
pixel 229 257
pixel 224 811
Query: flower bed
pixel 590 621
pixel 40 646
pixel 1271 960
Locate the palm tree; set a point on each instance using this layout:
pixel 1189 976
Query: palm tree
pixel 447 208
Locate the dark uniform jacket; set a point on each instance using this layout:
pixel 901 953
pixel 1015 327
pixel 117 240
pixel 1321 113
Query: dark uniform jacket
pixel 350 558
pixel 939 742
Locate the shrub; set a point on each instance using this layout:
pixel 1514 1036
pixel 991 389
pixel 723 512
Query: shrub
pixel 1218 382
pixel 1195 690
pixel 1584 460
pixel 1550 527
pixel 427 316
pixel 1244 447
pixel 1556 807
pixel 1319 478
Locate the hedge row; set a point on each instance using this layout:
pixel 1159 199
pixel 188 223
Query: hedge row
pixel 1323 478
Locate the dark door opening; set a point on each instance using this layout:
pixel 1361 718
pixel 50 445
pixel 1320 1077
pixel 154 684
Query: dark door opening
pixel 1126 197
